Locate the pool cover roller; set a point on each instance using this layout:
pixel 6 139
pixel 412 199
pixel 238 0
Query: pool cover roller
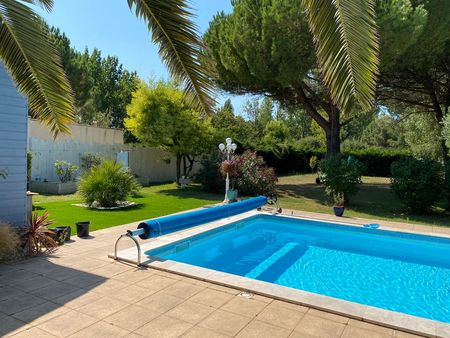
pixel 167 224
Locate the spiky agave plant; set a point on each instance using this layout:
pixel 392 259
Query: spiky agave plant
pixel 37 237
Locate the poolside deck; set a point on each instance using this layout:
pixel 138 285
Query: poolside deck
pixel 80 292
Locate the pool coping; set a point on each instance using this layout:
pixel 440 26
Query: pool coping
pixel 370 314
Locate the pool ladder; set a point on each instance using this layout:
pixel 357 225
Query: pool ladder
pixel 129 234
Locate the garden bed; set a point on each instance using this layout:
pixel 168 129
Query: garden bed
pixel 120 205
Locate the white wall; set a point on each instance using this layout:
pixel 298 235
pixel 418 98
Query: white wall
pixel 149 164
pixel 13 146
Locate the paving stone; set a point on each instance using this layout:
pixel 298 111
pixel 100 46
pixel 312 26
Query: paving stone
pixel 258 329
pixel 183 290
pixel 319 327
pixel 102 307
pixel 211 297
pixel 164 327
pixel 67 323
pixel 33 332
pixel 225 322
pixel 101 330
pixel 244 306
pixel 328 315
pixel 131 317
pixel 10 325
pixel 353 331
pixel 160 302
pixel 190 312
pixel 78 298
pixel 201 332
pixel 41 313
pixel 279 315
pixel 19 303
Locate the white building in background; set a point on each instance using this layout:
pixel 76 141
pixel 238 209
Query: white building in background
pixel 13 149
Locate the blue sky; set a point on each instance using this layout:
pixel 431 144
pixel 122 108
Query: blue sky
pixel 111 27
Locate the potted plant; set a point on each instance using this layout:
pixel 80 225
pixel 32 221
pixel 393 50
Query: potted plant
pixel 339 204
pixel 66 173
pixel 230 168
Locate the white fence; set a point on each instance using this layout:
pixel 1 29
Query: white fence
pixel 150 165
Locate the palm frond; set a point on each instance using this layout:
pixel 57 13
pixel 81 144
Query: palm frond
pixel 180 46
pixel 346 42
pixel 35 65
pixel 46 4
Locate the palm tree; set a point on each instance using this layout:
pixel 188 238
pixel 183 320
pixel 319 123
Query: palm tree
pixel 35 65
pixel 344 32
pixel 345 35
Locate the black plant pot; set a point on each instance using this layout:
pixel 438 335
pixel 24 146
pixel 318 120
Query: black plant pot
pixel 338 211
pixel 66 230
pixel 83 228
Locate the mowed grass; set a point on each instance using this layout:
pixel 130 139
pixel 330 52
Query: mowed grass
pixel 374 200
pixel 154 201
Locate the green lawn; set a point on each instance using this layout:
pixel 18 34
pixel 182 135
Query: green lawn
pixel 154 201
pixel 374 200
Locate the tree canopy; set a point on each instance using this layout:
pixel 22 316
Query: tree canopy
pixel 101 85
pixel 160 116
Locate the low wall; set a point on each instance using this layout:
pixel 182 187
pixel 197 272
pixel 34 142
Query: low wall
pixel 150 165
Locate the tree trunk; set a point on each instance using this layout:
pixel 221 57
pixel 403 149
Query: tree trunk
pixel 333 133
pixel 178 168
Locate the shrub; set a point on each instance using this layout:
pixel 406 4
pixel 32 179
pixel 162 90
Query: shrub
pixel 65 171
pixel 108 184
pixel 29 164
pixel 89 160
pixel 447 185
pixel 341 176
pixel 418 183
pixel 37 238
pixel 9 242
pixel 209 175
pixel 254 177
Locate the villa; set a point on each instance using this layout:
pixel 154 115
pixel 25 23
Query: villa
pixel 284 171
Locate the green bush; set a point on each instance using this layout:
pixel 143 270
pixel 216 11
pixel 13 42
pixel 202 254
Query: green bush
pixel 341 176
pixel 65 171
pixel 447 185
pixel 418 183
pixel 254 177
pixel 89 160
pixel 108 184
pixel 377 161
pixel 209 175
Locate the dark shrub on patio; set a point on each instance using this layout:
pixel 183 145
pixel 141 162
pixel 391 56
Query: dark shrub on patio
pixel 418 183
pixel 108 184
pixel 341 176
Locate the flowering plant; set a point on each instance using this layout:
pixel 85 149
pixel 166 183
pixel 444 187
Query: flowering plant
pixel 254 177
pixel 230 167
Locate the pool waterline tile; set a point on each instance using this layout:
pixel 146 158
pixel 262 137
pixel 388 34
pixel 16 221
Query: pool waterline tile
pixel 354 310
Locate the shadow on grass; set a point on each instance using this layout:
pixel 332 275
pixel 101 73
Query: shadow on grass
pixel 191 192
pixel 375 200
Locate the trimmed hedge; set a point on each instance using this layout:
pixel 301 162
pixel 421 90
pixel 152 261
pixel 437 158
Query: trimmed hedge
pixel 377 161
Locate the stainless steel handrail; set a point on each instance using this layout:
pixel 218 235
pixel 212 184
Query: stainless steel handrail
pixel 135 242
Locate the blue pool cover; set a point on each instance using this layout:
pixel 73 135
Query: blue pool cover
pixel 167 224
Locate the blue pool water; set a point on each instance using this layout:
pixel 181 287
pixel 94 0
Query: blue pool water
pixel 395 271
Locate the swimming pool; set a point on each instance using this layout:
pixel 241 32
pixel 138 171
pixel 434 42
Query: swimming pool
pixel 396 271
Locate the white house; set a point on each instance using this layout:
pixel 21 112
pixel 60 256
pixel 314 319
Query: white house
pixel 13 149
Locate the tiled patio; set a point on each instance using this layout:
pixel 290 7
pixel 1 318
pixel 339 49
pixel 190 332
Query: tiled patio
pixel 79 292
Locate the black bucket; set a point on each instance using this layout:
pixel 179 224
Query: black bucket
pixel 63 230
pixel 83 228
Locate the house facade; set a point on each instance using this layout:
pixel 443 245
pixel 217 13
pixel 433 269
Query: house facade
pixel 13 151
